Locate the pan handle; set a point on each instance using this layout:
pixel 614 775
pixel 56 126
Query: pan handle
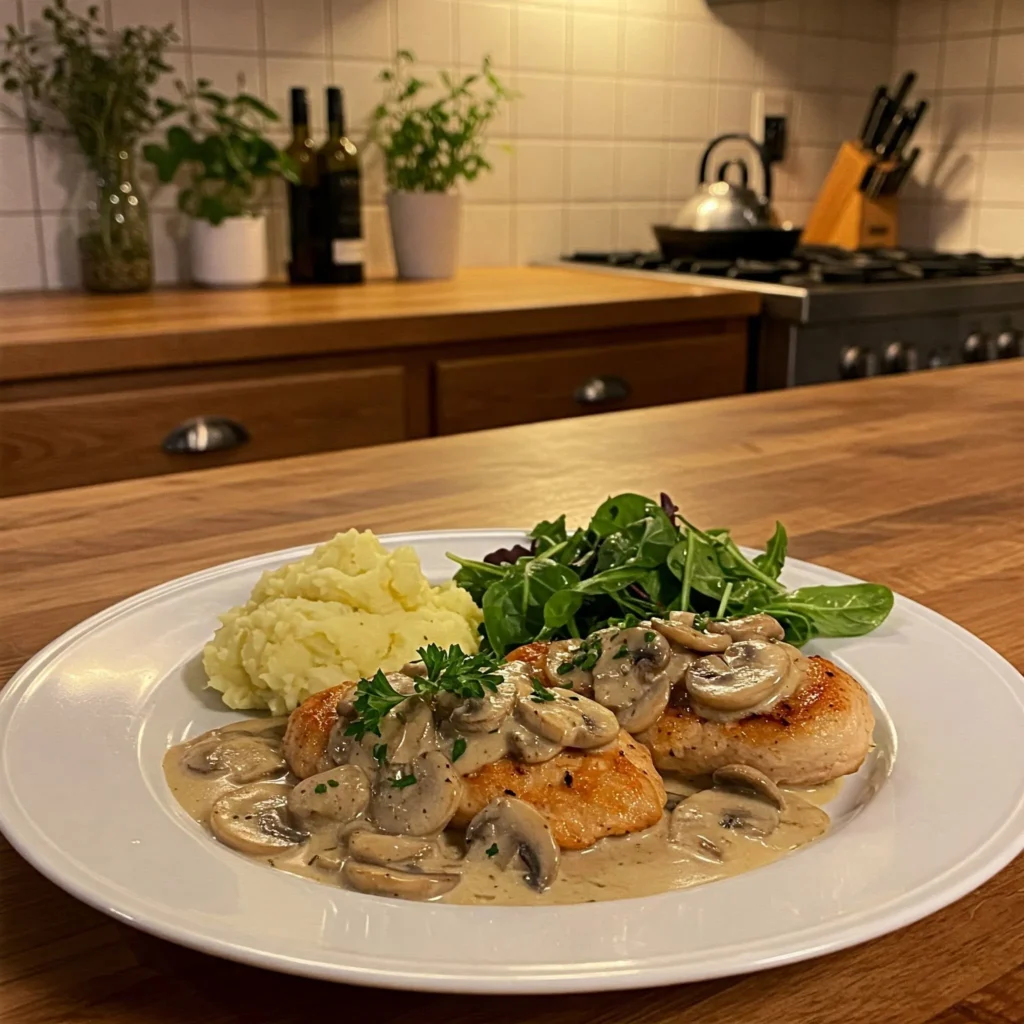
pixel 739 137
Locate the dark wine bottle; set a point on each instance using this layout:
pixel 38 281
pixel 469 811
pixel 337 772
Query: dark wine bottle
pixel 338 209
pixel 302 224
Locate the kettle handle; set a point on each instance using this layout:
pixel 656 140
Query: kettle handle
pixel 739 137
pixel 723 169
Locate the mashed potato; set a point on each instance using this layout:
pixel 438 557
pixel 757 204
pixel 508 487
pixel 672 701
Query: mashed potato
pixel 341 613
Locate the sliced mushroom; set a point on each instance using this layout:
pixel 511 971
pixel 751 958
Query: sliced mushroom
pixel 648 707
pixel 568 719
pixel 710 823
pixel 559 669
pixel 254 819
pixel 508 828
pixel 486 713
pixel 388 881
pixel 420 807
pixel 677 789
pixel 374 848
pixel 475 749
pixel 742 677
pixel 241 756
pixel 679 627
pixel 750 626
pixel 527 746
pixel 679 661
pixel 629 660
pixel 745 779
pixel 408 730
pixel 339 794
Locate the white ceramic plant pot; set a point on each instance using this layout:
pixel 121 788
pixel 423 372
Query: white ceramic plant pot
pixel 232 254
pixel 425 233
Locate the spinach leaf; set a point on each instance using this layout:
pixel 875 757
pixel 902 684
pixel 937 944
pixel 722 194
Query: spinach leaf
pixel 619 512
pixel 476 577
pixel 774 556
pixel 850 610
pixel 561 608
pixel 548 534
pixel 514 606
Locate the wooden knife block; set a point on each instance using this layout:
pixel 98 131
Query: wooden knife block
pixel 843 215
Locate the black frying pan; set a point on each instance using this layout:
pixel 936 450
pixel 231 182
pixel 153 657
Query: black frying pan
pixel 746 244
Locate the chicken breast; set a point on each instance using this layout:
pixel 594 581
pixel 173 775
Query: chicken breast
pixel 309 729
pixel 609 791
pixel 821 732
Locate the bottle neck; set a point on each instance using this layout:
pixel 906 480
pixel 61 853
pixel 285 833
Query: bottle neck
pixel 300 132
pixel 335 130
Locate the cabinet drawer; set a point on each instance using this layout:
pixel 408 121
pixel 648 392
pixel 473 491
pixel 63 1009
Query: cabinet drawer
pixel 473 394
pixel 74 440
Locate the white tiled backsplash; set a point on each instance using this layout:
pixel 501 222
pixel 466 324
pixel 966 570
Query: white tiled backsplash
pixel 618 98
pixel 968 188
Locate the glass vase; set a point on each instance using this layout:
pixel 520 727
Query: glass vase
pixel 114 247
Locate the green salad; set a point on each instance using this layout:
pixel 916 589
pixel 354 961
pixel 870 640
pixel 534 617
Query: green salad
pixel 639 558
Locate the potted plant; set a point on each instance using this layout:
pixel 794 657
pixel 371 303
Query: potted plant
pixel 228 164
pixel 429 146
pixel 78 79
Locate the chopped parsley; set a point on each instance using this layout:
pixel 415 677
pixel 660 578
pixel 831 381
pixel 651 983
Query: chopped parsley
pixel 402 781
pixel 700 621
pixel 458 748
pixel 320 788
pixel 492 850
pixel 380 752
pixel 333 783
pixel 622 652
pixel 649 636
pixel 541 694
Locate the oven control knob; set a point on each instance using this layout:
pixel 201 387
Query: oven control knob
pixel 975 348
pixel 1008 345
pixel 855 362
pixel 899 358
pixel 938 357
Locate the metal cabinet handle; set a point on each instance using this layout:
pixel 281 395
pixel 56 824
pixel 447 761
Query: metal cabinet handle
pixel 205 434
pixel 599 390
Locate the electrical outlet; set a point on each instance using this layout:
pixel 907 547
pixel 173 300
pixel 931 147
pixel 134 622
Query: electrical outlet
pixel 774 138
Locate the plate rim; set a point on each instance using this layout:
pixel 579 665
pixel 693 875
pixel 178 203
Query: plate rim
pixel 560 978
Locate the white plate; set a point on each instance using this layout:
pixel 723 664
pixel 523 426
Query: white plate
pixel 84 724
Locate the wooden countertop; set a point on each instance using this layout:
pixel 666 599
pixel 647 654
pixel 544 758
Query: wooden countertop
pixel 914 481
pixel 43 335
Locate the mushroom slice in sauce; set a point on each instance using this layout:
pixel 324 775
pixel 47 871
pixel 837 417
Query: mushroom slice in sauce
pixel 563 653
pixel 253 819
pixel 507 829
pixel 629 660
pixel 243 757
pixel 380 880
pixel 569 719
pixel 528 747
pixel 740 678
pixel 745 779
pixel 486 713
pixel 374 848
pixel 761 625
pixel 711 823
pixel 408 730
pixel 419 807
pixel 339 794
pixel 643 712
pixel 679 628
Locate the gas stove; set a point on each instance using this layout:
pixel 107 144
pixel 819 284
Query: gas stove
pixel 830 313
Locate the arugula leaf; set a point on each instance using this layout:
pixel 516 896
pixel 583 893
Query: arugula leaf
pixel 774 557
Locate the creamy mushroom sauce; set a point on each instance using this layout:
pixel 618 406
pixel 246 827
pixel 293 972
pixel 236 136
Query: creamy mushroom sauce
pixel 356 825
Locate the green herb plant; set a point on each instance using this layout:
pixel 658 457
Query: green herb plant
pixel 433 138
pixel 223 151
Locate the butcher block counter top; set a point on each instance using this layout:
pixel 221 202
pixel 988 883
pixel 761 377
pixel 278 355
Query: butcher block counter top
pixel 42 335
pixel 916 481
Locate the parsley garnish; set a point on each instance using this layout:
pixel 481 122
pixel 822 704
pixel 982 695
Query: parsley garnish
pixel 565 668
pixel 540 693
pixel 492 850
pixel 649 636
pixel 319 788
pixel 402 781
pixel 380 752
pixel 700 621
pixel 333 783
pixel 622 652
pixel 458 749
pixel 452 671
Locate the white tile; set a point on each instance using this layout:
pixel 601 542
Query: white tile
pixel 540 39
pixel 965 16
pixel 643 110
pixel 738 59
pixel 60 250
pixel 538 233
pixel 807 167
pixel 917 19
pixel 1011 14
pixel 690 106
pixel 818 62
pixel 641 173
pixel 868 19
pixel 540 174
pixel 589 228
pixel 295 27
pixel 915 225
pixel 595 42
pixel 1010 60
pixel 1006 118
pixel 823 15
pixel 784 14
pixel 922 58
pixel 494 186
pixel 648 6
pixel 592 108
pixel 363 90
pixel 646 47
pixel 733 108
pixel 425 28
pixel 226 71
pixel 954 228
pixel 961 119
pixel 539 112
pixel 126 13
pixel 745 15
pixel 591 172
pixel 818 118
pixel 1000 230
pixel 380 259
pixel 64 181
pixel 21 265
pixel 694 10
pixel 696 50
pixel 634 225
pixel 361 29
pixel 863 65
pixel 486 236
pixel 485 30
pixel 1001 178
pixel 683 170
pixel 169 232
pixel 225 25
pixel 850 114
pixel 780 56
pixel 285 73
pixel 966 63
pixel 15 174
pixel 954 176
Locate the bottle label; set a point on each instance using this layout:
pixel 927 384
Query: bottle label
pixel 347 250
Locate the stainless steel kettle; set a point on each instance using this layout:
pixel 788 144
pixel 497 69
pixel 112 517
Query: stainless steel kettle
pixel 722 205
